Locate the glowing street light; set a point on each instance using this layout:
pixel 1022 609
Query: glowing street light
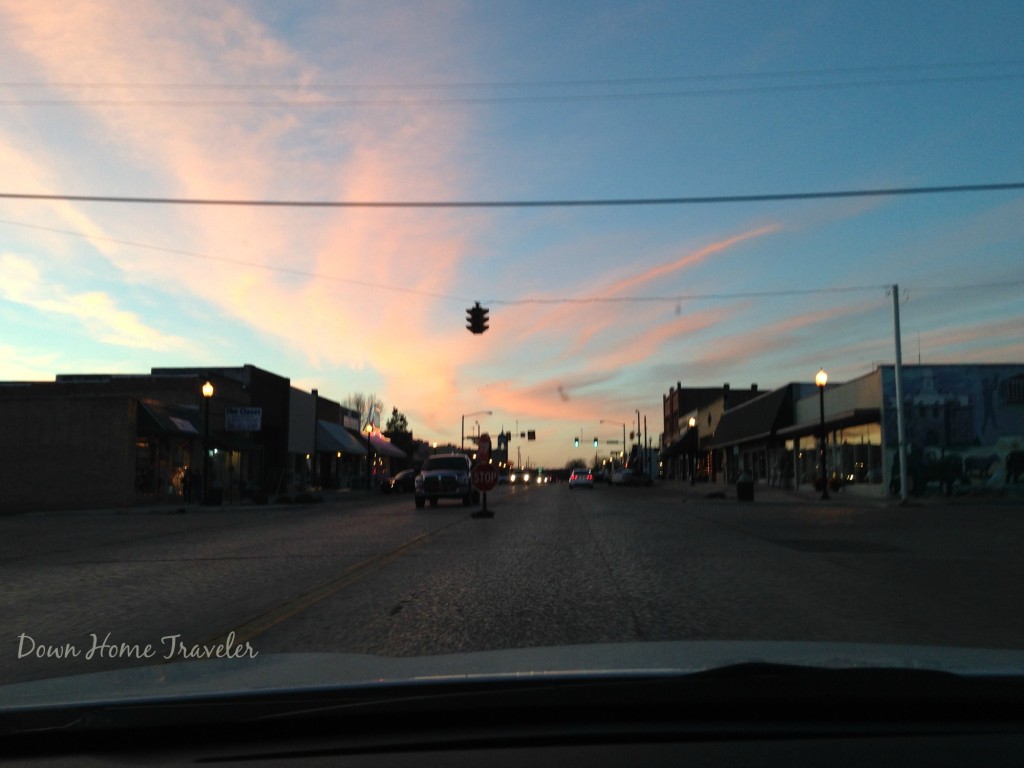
pixel 369 453
pixel 693 457
pixel 207 397
pixel 821 379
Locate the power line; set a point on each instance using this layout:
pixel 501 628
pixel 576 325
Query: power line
pixel 310 88
pixel 675 299
pixel 568 82
pixel 564 203
pixel 309 102
pixel 237 262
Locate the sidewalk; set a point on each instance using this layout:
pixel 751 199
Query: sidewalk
pixel 852 495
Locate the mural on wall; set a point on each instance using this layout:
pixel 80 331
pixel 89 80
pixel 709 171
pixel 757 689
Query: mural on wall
pixel 964 424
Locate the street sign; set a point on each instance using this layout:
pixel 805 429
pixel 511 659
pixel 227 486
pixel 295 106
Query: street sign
pixel 484 477
pixel 483 449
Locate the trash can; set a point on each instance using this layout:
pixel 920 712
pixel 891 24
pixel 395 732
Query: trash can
pixel 745 487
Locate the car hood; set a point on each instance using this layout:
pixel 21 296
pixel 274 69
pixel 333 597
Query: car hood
pixel 313 671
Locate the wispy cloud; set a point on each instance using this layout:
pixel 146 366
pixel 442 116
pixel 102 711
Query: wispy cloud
pixel 691 259
pixel 97 312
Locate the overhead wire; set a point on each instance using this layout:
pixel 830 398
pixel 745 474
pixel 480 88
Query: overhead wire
pixel 552 203
pixel 309 90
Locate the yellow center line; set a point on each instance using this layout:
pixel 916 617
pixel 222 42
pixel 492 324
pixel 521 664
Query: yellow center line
pixel 296 605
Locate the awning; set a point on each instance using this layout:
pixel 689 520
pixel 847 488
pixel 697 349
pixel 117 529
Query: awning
pixel 680 445
pixel 385 448
pixel 380 446
pixel 754 421
pixel 852 418
pixel 166 419
pixel 334 437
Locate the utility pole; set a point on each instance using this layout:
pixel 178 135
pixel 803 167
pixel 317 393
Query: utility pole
pixel 900 421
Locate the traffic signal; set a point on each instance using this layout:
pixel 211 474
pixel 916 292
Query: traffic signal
pixel 576 442
pixel 595 442
pixel 476 318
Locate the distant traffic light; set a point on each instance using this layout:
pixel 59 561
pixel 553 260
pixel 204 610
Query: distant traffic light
pixel 476 318
pixel 595 442
pixel 576 442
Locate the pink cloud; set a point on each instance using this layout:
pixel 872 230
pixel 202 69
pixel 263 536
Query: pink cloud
pixel 691 259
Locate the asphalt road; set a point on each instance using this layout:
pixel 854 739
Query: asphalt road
pixel 373 574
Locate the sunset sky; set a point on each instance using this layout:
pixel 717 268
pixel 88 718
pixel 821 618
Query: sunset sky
pixel 595 311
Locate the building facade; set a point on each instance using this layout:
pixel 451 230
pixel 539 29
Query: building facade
pixel 108 441
pixel 963 426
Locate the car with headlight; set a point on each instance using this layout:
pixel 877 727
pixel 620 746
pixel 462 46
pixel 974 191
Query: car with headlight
pixel 403 482
pixel 444 476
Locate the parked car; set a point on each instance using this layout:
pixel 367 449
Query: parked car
pixel 403 482
pixel 629 476
pixel 621 476
pixel 444 476
pixel 581 478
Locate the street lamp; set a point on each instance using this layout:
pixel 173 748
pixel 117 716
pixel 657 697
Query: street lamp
pixel 821 379
pixel 207 397
pixel 475 413
pixel 369 453
pixel 693 457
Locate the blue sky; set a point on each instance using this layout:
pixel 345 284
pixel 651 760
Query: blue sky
pixel 595 312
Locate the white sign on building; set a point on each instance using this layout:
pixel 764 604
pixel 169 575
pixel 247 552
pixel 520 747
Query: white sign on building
pixel 243 419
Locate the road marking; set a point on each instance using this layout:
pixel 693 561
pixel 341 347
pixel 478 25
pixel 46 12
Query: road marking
pixel 296 605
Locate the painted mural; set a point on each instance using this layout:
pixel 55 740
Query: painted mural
pixel 964 426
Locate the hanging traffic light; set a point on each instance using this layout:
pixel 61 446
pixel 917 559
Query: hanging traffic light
pixel 476 318
pixel 595 442
pixel 576 442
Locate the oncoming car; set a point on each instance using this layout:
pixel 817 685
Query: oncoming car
pixel 581 478
pixel 445 476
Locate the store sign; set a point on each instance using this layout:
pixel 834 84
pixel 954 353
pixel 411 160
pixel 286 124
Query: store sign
pixel 243 419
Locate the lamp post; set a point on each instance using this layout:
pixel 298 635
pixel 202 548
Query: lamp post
pixel 369 453
pixel 821 379
pixel 693 456
pixel 207 397
pixel 475 413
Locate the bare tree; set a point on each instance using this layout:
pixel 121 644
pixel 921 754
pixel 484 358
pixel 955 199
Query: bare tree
pixel 362 402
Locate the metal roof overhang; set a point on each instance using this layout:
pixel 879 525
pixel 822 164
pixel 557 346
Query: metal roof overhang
pixel 851 418
pixel 744 439
pixel 334 437
pixel 380 446
pixel 676 446
pixel 383 447
pixel 166 419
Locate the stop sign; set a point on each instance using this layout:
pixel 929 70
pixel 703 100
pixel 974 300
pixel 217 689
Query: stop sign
pixel 484 477
pixel 483 450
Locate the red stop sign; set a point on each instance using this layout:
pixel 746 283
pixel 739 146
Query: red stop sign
pixel 484 477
